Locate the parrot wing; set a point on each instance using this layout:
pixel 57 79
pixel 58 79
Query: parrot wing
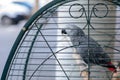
pixel 91 52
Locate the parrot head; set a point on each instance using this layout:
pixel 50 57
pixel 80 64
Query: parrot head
pixel 72 30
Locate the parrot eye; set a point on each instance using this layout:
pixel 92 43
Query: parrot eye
pixel 63 31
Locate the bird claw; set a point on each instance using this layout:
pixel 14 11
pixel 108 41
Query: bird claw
pixel 83 71
pixel 85 74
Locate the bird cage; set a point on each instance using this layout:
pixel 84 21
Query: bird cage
pixel 42 52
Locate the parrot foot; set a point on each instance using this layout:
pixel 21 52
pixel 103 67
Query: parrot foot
pixel 85 74
pixel 84 68
pixel 116 76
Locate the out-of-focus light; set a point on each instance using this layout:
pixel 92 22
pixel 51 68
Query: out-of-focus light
pixel 5 1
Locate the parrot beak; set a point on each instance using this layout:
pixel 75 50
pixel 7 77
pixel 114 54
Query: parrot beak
pixel 63 31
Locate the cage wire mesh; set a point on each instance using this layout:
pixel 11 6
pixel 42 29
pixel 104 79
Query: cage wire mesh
pixel 41 52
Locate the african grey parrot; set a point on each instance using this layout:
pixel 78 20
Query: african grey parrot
pixel 90 51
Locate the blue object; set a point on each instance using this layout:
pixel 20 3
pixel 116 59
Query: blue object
pixel 26 4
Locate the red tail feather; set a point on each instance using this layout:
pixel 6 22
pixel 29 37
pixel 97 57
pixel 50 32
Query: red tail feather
pixel 113 69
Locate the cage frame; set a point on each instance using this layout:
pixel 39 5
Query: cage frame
pixel 26 27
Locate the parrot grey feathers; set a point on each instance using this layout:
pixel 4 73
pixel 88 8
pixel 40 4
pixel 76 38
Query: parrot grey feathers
pixel 89 49
pixel 73 30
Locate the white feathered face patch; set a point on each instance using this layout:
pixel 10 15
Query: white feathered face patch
pixel 72 30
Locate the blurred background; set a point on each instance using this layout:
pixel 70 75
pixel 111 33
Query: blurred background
pixel 13 15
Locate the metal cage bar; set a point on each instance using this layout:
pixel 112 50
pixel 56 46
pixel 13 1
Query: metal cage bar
pixel 34 55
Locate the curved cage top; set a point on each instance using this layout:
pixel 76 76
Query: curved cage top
pixel 41 52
